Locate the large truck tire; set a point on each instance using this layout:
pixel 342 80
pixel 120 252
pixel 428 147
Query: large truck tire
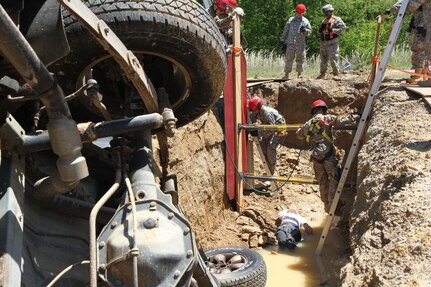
pixel 178 43
pixel 237 267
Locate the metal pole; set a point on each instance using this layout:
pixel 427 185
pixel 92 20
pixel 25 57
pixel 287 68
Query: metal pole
pixel 288 127
pixel 279 178
pixel 363 121
pixel 92 222
pixel 100 130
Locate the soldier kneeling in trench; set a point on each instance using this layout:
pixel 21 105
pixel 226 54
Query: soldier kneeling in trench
pixel 288 232
pixel 317 132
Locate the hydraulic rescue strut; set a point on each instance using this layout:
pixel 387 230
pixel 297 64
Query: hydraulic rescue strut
pixel 287 127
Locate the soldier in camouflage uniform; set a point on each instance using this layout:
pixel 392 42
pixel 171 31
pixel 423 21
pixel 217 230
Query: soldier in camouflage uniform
pixel 270 139
pixel 223 12
pixel 330 30
pixel 293 40
pixel 317 132
pixel 415 5
pixel 418 45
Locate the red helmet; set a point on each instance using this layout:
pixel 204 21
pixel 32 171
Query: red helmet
pixel 232 3
pixel 225 4
pixel 255 103
pixel 318 104
pixel 300 8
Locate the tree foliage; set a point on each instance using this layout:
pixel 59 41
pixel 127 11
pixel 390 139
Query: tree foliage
pixel 264 22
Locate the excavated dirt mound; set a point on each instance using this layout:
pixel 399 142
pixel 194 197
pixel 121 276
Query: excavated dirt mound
pixel 391 217
pixel 387 241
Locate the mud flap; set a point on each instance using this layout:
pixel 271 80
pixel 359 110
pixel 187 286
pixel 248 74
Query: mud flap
pixel 45 32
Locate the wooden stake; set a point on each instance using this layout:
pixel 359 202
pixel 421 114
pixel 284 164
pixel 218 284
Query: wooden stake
pixel 376 47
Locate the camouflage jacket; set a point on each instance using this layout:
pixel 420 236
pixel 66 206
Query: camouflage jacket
pixel 295 30
pixel 416 5
pixel 331 28
pixel 223 20
pixel 318 132
pixel 267 116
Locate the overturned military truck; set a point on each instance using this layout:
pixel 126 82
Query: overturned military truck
pixel 82 201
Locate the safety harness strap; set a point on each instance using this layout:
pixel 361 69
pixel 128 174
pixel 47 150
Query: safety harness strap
pixel 320 131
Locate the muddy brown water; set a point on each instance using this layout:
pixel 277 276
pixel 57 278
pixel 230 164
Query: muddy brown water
pixel 300 267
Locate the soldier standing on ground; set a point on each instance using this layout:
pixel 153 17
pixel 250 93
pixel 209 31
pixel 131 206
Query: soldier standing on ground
pixel 424 8
pixel 330 30
pixel 317 132
pixel 293 40
pixel 270 140
pixel 418 45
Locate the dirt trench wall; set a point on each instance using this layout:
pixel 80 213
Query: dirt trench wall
pixel 391 218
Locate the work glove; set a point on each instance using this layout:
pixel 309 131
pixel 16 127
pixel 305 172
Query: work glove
pixel 281 133
pixel 239 11
pixel 356 117
pixel 254 133
pixel 283 47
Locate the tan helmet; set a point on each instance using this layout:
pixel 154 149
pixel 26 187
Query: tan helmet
pixel 328 8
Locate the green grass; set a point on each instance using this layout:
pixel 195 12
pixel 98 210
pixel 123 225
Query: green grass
pixel 264 64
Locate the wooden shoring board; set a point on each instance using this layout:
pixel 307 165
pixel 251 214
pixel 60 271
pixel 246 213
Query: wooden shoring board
pixel 258 83
pixel 229 127
pixel 424 92
pixel 251 80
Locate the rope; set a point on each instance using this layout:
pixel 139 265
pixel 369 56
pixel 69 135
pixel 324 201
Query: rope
pixel 236 50
pixel 405 71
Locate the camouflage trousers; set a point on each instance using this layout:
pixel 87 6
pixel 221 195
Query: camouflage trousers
pixel 327 173
pixel 428 40
pixel 294 51
pixel 269 147
pixel 418 51
pixel 329 52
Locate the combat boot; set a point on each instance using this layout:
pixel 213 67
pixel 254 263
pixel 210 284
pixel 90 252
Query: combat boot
pixel 321 76
pixel 299 75
pixel 286 77
pixel 426 83
pixel 414 79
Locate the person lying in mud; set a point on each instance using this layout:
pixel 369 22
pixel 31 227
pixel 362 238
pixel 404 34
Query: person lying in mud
pixel 289 228
pixel 317 132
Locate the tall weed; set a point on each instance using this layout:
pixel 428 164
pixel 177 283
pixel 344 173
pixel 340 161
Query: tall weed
pixel 264 64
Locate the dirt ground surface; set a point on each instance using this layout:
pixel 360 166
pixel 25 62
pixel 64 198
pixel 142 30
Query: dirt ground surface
pixel 387 231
